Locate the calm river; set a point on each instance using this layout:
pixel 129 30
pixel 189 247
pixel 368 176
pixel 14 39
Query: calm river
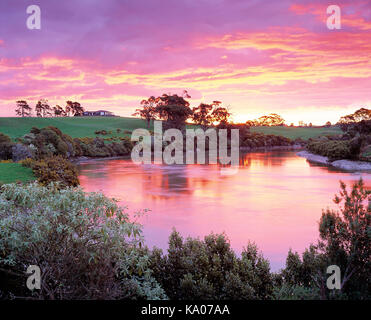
pixel 275 199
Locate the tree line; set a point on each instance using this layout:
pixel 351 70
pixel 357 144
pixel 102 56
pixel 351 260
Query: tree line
pixel 175 110
pixel 43 109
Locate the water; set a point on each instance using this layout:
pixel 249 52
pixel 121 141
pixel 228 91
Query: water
pixel 275 199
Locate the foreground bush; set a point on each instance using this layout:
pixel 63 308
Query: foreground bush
pixel 210 270
pixel 84 244
pixel 345 238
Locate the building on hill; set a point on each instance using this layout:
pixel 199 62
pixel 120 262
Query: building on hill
pixel 99 113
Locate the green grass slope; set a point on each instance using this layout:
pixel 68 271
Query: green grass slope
pixel 76 127
pixel 296 132
pixel 13 172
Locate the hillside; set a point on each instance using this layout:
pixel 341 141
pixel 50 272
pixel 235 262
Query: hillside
pixel 75 126
pixel 86 126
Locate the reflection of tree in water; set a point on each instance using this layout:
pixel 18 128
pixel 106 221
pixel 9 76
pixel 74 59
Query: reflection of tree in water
pixel 164 182
pixel 263 159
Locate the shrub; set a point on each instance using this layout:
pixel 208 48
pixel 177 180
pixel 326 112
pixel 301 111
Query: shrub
pixel 20 152
pixel 47 142
pixel 344 241
pixel 84 244
pixel 333 149
pixel 101 132
pixel 54 169
pixel 5 147
pixel 209 269
pixel 256 139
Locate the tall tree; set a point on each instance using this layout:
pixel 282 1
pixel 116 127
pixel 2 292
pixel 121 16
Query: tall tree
pixel 202 114
pixel 272 119
pixel 68 108
pixel 350 121
pixel 147 112
pixel 220 114
pixel 78 110
pixel 74 109
pixel 23 109
pixel 43 108
pixel 357 116
pixel 173 109
pixel 58 111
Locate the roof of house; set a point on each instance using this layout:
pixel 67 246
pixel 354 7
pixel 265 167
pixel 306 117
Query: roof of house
pixel 99 111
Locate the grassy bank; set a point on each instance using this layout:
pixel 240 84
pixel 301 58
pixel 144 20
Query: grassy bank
pixel 78 127
pixel 13 172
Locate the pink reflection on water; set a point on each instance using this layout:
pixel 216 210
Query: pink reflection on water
pixel 275 200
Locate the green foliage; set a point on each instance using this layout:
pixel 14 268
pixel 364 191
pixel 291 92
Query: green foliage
pixel 345 237
pixel 97 147
pixel 255 140
pixel 48 142
pixel 5 147
pixel 333 149
pixel 84 244
pixel 295 292
pixel 344 146
pixel 209 269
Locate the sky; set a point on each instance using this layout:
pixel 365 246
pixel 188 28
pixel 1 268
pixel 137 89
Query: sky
pixel 256 56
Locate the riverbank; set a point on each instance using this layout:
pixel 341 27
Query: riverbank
pixel 347 165
pixel 272 148
pixel 79 160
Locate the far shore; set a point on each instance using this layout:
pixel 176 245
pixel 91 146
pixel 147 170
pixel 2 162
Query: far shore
pixel 79 160
pixel 347 165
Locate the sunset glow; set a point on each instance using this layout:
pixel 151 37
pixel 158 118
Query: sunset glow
pixel 257 57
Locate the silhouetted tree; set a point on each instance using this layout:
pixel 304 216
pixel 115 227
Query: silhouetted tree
pixel 43 109
pixel 23 109
pixel 74 109
pixel 359 115
pixel 68 108
pixel 272 119
pixel 346 122
pixel 220 114
pixel 173 109
pixel 77 109
pixel 148 111
pixel 58 111
pixel 252 123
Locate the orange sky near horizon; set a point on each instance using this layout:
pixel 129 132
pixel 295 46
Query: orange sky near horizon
pixel 257 57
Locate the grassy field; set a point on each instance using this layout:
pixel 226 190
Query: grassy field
pixel 296 132
pixel 13 172
pixel 86 126
pixel 76 127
